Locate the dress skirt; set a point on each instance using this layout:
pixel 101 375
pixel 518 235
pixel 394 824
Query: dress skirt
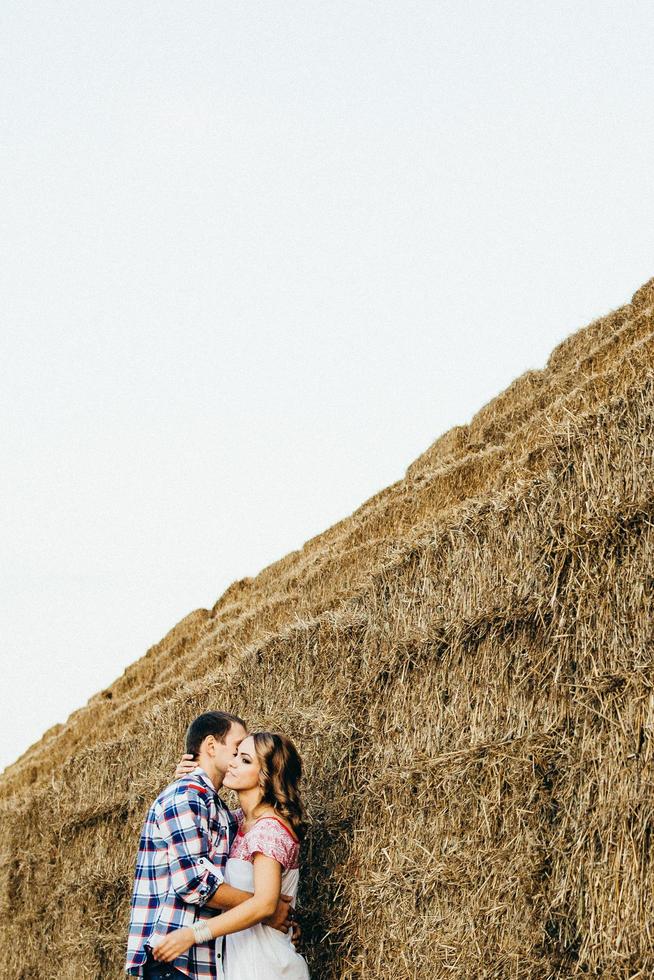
pixel 260 952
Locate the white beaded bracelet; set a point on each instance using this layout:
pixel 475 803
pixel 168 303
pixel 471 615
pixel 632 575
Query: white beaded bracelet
pixel 202 932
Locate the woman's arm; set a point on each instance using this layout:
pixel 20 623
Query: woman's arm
pixel 267 889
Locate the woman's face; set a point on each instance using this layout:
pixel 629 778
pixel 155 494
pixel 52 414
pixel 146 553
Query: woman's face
pixel 243 771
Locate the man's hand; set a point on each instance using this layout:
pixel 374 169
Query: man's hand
pixel 296 935
pixel 281 919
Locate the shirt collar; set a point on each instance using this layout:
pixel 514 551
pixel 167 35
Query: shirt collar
pixel 199 771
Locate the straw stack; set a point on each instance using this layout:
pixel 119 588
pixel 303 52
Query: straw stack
pixel 466 666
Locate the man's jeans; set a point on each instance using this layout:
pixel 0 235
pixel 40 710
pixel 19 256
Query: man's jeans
pixel 154 970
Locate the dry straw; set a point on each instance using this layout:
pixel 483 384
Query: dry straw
pixel 466 665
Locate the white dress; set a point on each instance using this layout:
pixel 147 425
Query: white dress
pixel 260 952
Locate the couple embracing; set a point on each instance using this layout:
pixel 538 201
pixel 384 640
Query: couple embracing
pixel 214 888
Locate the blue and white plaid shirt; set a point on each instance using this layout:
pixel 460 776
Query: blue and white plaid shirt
pixel 183 850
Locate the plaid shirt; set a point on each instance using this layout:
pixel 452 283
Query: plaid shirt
pixel 183 850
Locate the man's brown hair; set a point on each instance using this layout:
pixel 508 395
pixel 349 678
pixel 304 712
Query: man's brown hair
pixel 216 723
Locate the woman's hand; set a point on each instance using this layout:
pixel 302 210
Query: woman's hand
pixel 185 766
pixel 175 943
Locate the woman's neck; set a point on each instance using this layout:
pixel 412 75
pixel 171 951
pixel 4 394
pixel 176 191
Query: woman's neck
pixel 250 801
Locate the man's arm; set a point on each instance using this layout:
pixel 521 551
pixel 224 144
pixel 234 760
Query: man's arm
pixel 227 897
pixel 267 888
pixel 184 826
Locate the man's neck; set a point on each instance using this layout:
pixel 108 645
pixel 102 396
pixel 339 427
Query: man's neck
pixel 214 777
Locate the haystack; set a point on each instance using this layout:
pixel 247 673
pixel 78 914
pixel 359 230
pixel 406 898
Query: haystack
pixel 466 665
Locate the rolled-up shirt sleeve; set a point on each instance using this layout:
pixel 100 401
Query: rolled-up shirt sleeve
pixel 184 826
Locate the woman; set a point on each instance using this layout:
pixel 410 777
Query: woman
pixel 264 859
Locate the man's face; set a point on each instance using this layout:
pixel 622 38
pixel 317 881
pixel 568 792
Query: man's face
pixel 225 753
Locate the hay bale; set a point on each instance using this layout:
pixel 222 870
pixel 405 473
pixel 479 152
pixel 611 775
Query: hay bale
pixel 466 664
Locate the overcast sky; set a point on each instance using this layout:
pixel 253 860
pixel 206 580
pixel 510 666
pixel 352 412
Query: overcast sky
pixel 256 257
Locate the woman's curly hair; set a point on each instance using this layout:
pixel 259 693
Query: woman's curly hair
pixel 280 772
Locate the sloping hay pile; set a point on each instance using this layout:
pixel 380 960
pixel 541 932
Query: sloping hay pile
pixel 466 665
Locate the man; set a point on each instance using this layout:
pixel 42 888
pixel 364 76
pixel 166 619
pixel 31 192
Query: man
pixel 183 850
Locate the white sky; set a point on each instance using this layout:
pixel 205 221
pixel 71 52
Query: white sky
pixel 255 258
